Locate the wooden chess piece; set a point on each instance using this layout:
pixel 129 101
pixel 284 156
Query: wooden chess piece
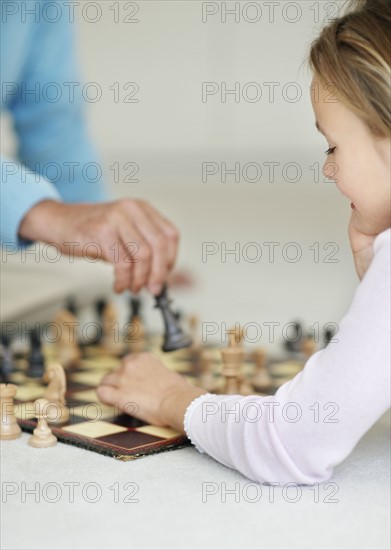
pixel 193 328
pixel 235 336
pixel 57 412
pixel 207 378
pixel 111 339
pixel 232 358
pixel 42 435
pixel 136 335
pixel 9 428
pixel 261 379
pixel 69 353
pixel 245 388
pixel 308 347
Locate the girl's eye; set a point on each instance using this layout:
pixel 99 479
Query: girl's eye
pixel 330 151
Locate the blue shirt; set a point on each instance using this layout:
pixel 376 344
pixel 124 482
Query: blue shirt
pixel 42 90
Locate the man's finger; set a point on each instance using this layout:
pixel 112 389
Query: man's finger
pixel 169 230
pixel 157 253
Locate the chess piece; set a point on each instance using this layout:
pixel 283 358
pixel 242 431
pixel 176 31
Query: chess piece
pixel 69 353
pixel 193 326
pixel 9 428
pixel 57 412
pixel 261 379
pixel 135 308
pixel 232 358
pixel 328 336
pixel 136 335
pixel 99 308
pixel 111 340
pixel 207 379
pixel 235 336
pixel 293 342
pixel 308 346
pixel 36 360
pixel 174 337
pixel 42 435
pixel 5 358
pixel 245 387
pixel 71 306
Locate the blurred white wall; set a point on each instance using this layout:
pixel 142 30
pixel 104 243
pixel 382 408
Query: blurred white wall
pixel 174 47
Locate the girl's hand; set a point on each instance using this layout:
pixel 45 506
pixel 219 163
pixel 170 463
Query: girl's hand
pixel 143 387
pixel 362 247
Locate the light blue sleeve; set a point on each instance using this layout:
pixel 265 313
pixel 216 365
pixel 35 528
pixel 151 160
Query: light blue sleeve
pixel 20 191
pixel 48 116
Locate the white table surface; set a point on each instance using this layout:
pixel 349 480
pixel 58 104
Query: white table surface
pixel 170 512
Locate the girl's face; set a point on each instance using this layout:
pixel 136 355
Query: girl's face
pixel 358 162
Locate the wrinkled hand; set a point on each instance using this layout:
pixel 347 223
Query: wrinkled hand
pixel 144 387
pixel 129 233
pixel 362 247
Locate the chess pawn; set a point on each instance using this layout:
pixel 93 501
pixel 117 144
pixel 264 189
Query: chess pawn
pixel 261 380
pixel 9 428
pixel 207 379
pixel 232 363
pixel 56 412
pixel 42 436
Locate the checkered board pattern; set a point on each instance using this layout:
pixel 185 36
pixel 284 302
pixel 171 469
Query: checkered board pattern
pixel 97 427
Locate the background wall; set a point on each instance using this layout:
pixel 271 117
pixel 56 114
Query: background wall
pixel 154 123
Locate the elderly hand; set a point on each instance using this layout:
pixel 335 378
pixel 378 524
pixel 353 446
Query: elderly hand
pixel 129 233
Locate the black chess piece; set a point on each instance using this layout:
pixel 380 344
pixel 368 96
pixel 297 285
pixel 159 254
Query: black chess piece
pixel 293 343
pixel 327 336
pixel 99 307
pixel 135 308
pixel 174 337
pixel 6 358
pixel 71 305
pixel 36 360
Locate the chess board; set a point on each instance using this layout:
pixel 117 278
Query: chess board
pixel 97 427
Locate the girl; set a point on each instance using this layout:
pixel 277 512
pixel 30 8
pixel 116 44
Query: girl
pixel 348 380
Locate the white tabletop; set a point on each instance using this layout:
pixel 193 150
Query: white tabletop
pixel 174 505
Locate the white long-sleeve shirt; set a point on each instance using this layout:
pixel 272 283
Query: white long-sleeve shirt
pixel 314 421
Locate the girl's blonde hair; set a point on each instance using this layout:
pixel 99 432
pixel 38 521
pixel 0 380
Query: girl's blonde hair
pixel 353 52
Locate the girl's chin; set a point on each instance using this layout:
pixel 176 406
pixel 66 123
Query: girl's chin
pixel 369 227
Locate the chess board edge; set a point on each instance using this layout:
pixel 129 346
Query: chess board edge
pixel 108 449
